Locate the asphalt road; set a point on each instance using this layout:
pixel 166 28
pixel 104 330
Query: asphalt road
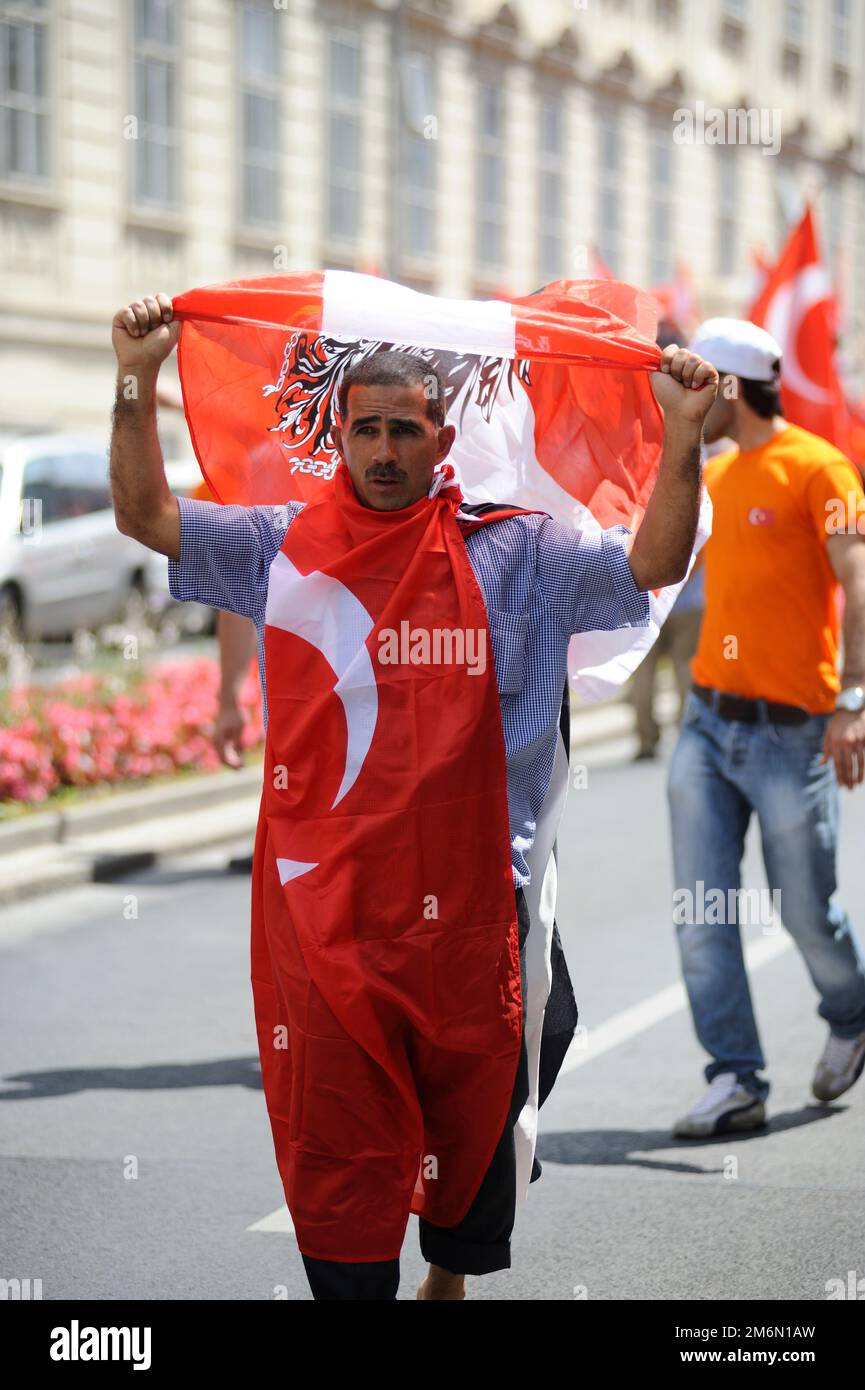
pixel 136 1159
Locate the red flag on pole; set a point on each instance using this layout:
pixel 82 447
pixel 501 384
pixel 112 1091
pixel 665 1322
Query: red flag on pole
pixel 797 306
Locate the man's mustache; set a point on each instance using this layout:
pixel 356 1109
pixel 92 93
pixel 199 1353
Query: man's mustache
pixel 387 475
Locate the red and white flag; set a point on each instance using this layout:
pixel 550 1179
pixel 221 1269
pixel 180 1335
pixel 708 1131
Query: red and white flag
pixel 550 396
pixel 797 306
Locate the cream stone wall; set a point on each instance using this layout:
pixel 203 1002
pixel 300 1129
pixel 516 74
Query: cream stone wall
pixel 73 245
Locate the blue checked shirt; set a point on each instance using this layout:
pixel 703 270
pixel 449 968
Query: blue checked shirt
pixel 540 581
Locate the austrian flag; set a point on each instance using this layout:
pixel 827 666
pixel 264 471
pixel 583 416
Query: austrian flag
pixel 550 395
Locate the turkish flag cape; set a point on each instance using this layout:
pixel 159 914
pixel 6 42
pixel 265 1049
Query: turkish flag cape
pixel 385 952
pixel 797 306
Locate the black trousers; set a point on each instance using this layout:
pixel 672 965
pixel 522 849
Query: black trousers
pixel 480 1243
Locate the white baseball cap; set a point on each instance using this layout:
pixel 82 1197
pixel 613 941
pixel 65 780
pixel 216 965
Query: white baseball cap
pixel 734 345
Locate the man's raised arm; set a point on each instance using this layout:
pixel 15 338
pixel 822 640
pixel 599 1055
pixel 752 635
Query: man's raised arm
pixel 142 334
pixel 684 388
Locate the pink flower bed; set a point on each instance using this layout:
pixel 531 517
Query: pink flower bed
pixel 102 730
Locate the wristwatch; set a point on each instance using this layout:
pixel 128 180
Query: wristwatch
pixel 853 698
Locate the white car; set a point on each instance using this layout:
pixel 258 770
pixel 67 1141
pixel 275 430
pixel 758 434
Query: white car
pixel 63 563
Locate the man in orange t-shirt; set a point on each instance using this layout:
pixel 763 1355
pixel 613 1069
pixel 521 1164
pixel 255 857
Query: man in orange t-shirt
pixel 769 727
pixel 771 572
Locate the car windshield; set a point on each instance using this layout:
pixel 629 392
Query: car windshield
pixel 64 486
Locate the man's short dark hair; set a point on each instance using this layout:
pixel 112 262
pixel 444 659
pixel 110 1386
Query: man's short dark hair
pixel 396 368
pixel 764 397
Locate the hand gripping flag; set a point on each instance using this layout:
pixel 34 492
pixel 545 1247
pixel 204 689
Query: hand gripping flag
pixel 550 396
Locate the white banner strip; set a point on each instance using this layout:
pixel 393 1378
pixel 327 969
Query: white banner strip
pixel 363 306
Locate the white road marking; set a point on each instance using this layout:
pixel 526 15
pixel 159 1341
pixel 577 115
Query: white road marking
pixel 627 1024
pixel 596 1041
pixel 279 1220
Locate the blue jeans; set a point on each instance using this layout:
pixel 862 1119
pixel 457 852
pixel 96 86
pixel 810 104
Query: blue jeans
pixel 721 771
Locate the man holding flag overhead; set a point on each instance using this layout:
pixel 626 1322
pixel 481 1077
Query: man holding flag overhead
pixel 406 773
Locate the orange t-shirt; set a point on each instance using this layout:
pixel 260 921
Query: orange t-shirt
pixel 770 627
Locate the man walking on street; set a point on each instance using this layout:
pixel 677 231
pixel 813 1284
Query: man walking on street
pixel 769 727
pixel 400 805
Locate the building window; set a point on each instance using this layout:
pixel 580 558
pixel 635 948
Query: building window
pixel 793 36
pixel 728 194
pixel 791 62
pixel 841 41
pixel 794 22
pixel 841 31
pixel 667 13
pixel 418 145
pixel 155 40
pixel 609 183
pixel 733 17
pixel 491 176
pixel 551 189
pixel 345 127
pixel 24 104
pixel 840 80
pixel 661 207
pixel 260 183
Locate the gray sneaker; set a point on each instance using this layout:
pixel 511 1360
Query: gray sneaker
pixel 727 1105
pixel 840 1066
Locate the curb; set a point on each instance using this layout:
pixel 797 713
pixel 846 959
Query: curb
pixel 104 856
pixel 124 832
pixel 129 807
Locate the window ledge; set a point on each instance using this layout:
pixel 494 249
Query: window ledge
pixel 259 238
pixel 32 194
pixel 486 283
pixel 154 219
pixel 422 267
pixel 342 255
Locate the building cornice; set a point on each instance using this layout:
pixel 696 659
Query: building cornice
pixel 560 59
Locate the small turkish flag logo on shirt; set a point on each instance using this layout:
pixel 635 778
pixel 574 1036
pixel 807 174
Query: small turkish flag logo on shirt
pixel 761 516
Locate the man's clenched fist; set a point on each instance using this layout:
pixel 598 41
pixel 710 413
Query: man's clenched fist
pixel 685 385
pixel 144 333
